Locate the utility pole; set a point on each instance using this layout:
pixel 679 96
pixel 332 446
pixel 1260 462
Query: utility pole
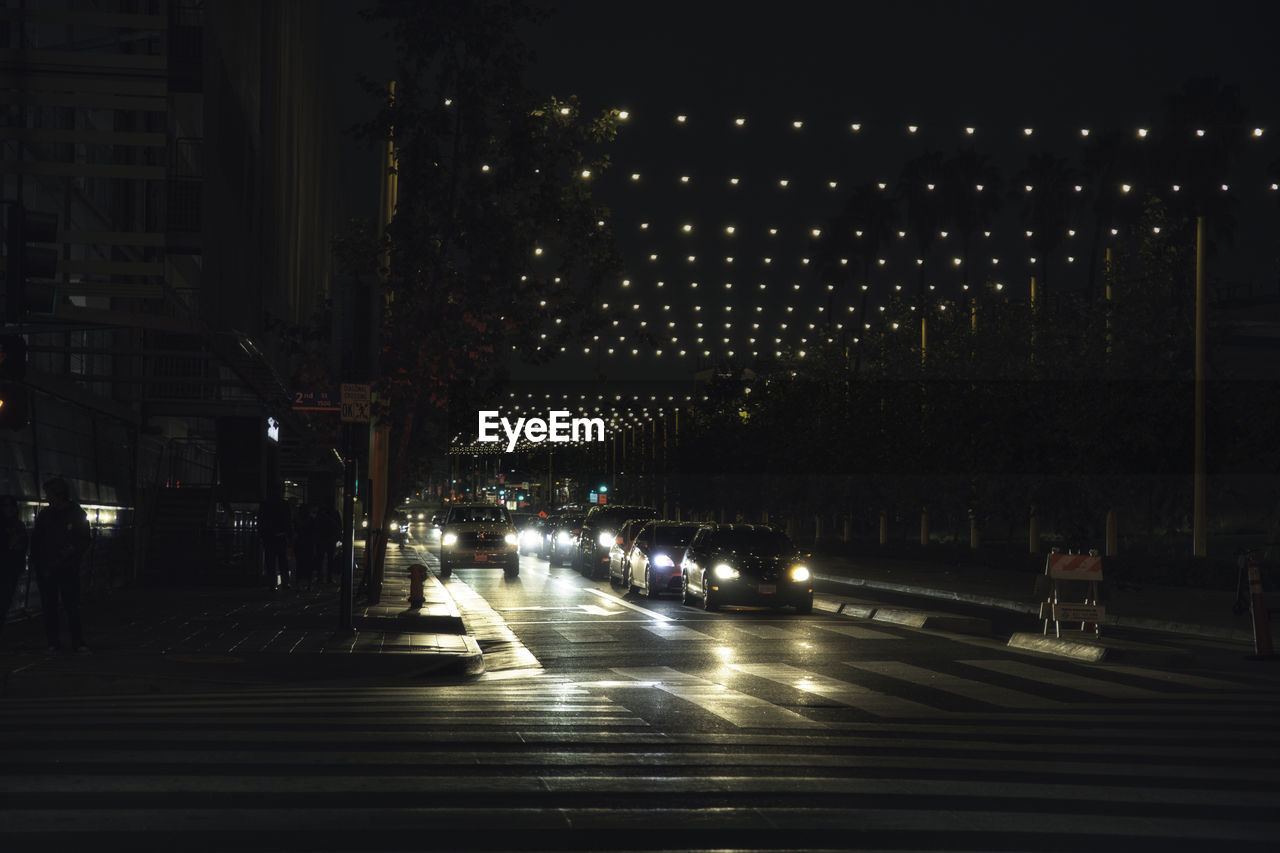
pixel 1199 540
pixel 379 429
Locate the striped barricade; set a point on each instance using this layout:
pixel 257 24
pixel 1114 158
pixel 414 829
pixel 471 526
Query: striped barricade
pixel 1089 613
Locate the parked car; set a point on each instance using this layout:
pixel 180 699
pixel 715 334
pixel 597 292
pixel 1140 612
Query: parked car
pixel 560 541
pixel 751 564
pixel 478 535
pixel 620 551
pixel 654 564
pixel 599 530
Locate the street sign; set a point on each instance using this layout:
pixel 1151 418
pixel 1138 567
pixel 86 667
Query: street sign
pixel 355 403
pixel 316 401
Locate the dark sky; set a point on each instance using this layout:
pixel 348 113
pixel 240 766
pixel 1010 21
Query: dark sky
pixel 999 66
pixel 932 63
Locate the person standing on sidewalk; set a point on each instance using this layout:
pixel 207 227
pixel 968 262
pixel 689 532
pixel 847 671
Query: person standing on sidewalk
pixel 13 552
pixel 275 530
pixel 59 540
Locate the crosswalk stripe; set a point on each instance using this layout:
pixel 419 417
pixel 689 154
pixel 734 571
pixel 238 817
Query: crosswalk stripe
pixel 955 684
pixel 843 692
pixel 586 635
pixel 1059 678
pixel 547 754
pixel 374 784
pixel 669 631
pixel 741 709
pixel 966 827
pixel 1181 678
pixel 765 632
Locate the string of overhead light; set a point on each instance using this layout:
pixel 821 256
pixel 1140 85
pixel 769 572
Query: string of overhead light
pixel 653 307
pixel 742 122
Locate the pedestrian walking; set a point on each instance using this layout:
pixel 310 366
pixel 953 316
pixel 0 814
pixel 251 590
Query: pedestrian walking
pixel 308 547
pixel 275 531
pixel 59 540
pixel 13 553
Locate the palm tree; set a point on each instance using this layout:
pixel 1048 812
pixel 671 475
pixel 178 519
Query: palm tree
pixel 867 224
pixel 1203 131
pixel 1047 205
pixel 919 189
pixel 971 199
pixel 1109 159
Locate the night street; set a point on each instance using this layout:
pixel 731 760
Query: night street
pixel 606 720
pixel 559 425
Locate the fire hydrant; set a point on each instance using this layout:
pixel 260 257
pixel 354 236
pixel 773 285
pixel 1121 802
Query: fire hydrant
pixel 417 574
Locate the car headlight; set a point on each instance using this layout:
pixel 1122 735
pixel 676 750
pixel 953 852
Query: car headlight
pixel 724 571
pixel 510 539
pixel 421 516
pixel 662 561
pixel 449 539
pixel 605 539
pixel 394 527
pixel 563 537
pixel 800 573
pixel 364 523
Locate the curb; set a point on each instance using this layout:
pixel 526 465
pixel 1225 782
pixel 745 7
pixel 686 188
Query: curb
pixel 935 621
pixel 1137 623
pixel 1099 650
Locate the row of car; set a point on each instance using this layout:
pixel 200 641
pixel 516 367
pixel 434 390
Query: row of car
pixel 711 564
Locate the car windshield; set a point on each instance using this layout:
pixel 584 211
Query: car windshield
pixel 765 543
pixel 471 514
pixel 673 537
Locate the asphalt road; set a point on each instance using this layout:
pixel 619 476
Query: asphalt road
pixel 606 721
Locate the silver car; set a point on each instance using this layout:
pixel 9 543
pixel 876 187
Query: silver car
pixel 654 561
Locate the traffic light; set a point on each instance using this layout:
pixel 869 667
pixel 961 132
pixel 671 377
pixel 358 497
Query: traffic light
pixel 15 405
pixel 32 258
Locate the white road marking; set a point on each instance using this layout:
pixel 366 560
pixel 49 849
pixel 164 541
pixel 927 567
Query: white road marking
pixel 1047 675
pixel 844 692
pixel 970 689
pixel 741 709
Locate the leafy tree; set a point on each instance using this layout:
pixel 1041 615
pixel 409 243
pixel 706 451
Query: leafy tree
pixel 495 235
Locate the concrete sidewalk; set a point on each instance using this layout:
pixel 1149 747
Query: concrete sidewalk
pixel 185 639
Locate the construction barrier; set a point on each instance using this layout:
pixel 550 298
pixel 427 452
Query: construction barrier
pixel 1258 608
pixel 1084 572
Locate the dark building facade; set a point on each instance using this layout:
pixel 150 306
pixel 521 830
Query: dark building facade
pixel 174 165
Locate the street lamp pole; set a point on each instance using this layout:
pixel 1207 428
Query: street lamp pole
pixel 1198 534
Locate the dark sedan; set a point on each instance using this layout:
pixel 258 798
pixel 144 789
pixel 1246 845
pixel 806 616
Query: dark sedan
pixel 750 564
